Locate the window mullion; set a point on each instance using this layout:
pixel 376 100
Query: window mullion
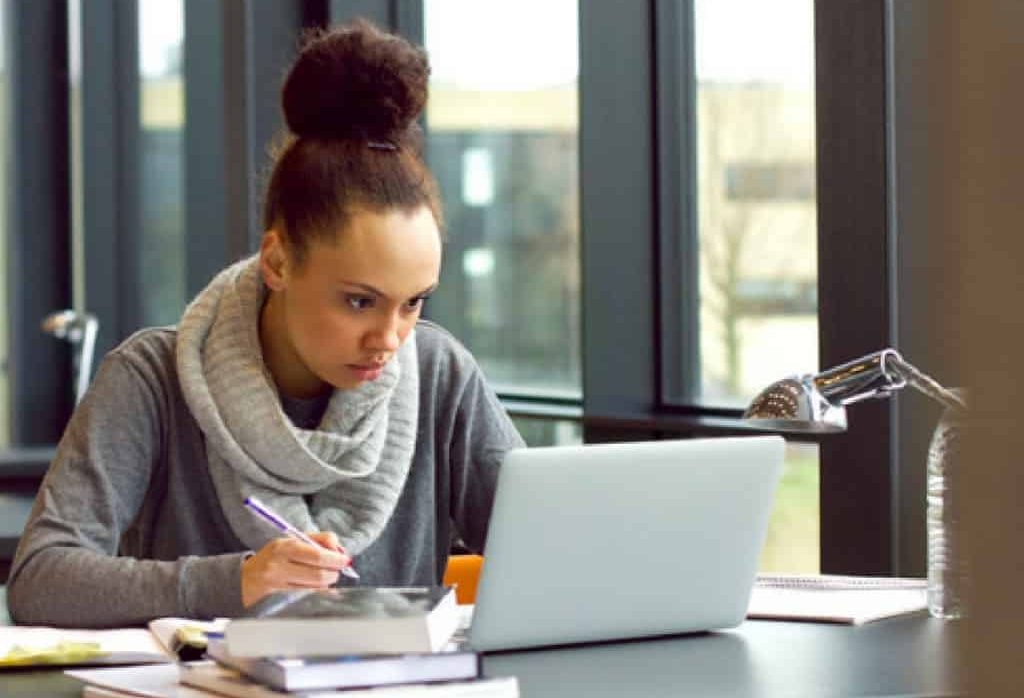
pixel 618 214
pixel 854 278
pixel 38 264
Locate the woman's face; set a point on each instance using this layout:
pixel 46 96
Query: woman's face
pixel 342 313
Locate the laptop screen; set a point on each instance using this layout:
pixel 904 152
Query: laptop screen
pixel 613 541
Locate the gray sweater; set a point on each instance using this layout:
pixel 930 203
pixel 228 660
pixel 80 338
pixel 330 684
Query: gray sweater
pixel 126 526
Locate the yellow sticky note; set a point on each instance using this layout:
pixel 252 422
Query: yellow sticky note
pixel 60 653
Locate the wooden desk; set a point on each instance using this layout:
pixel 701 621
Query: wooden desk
pixel 910 656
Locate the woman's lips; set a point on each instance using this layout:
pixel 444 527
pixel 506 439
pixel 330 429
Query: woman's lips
pixel 367 372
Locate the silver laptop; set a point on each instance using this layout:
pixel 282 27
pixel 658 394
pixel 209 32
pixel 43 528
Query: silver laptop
pixel 625 540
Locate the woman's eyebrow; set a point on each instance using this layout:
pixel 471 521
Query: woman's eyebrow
pixel 377 292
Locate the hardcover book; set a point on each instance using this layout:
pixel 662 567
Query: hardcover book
pixel 353 620
pixel 350 671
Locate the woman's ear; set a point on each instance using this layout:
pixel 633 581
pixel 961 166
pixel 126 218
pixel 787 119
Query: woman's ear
pixel 274 261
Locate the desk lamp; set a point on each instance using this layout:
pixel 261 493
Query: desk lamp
pixel 80 330
pixel 816 403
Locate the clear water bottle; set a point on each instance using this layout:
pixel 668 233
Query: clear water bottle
pixel 947 576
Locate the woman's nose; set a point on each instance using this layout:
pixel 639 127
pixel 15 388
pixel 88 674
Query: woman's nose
pixel 386 337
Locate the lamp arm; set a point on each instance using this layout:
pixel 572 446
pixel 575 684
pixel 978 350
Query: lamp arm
pixel 879 375
pixel 928 385
pixel 870 376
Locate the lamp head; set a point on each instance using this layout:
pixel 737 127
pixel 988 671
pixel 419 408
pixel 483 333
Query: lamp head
pixel 80 330
pixel 816 403
pixel 68 324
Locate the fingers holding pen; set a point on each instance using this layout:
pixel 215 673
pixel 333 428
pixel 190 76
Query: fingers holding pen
pixel 329 540
pixel 322 539
pixel 322 555
pixel 287 563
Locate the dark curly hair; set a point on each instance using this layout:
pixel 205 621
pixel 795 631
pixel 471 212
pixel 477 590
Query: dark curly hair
pixel 350 102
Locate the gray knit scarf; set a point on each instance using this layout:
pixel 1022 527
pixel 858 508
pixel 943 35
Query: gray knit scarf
pixel 345 476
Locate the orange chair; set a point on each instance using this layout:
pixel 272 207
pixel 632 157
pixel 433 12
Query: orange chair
pixel 463 572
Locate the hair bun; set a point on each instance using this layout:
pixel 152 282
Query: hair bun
pixel 356 81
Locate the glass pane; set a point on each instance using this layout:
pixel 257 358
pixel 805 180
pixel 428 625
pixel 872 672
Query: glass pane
pixel 757 230
pixel 794 536
pixel 755 195
pixel 161 161
pixel 549 432
pixel 502 141
pixel 5 425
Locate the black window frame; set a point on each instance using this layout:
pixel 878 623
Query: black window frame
pixel 38 260
pixel 636 167
pixel 637 171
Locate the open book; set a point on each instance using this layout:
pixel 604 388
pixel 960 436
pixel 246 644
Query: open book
pixel 23 646
pixel 835 599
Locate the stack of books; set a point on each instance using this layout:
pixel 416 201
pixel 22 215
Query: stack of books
pixel 336 642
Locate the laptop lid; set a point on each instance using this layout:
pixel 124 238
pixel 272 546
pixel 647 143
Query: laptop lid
pixel 614 541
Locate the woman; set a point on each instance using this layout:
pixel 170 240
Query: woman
pixel 301 376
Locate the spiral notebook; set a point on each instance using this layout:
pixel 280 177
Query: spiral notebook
pixel 836 599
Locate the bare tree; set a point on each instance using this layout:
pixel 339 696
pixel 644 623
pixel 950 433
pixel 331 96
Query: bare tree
pixel 740 124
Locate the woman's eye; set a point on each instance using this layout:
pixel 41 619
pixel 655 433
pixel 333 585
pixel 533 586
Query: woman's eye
pixel 415 303
pixel 359 302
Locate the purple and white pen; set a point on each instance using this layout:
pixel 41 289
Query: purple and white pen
pixel 274 519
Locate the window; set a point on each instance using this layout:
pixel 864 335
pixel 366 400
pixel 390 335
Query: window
pixel 161 161
pixel 755 199
pixel 502 141
pixel 757 232
pixel 592 199
pixel 5 437
pixel 549 432
pixel 794 532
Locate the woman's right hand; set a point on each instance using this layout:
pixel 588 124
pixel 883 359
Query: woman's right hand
pixel 288 563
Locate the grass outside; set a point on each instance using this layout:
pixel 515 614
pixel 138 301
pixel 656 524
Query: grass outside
pixel 792 543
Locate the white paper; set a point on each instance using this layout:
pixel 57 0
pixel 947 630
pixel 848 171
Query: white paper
pixel 836 599
pixel 152 681
pixel 132 641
